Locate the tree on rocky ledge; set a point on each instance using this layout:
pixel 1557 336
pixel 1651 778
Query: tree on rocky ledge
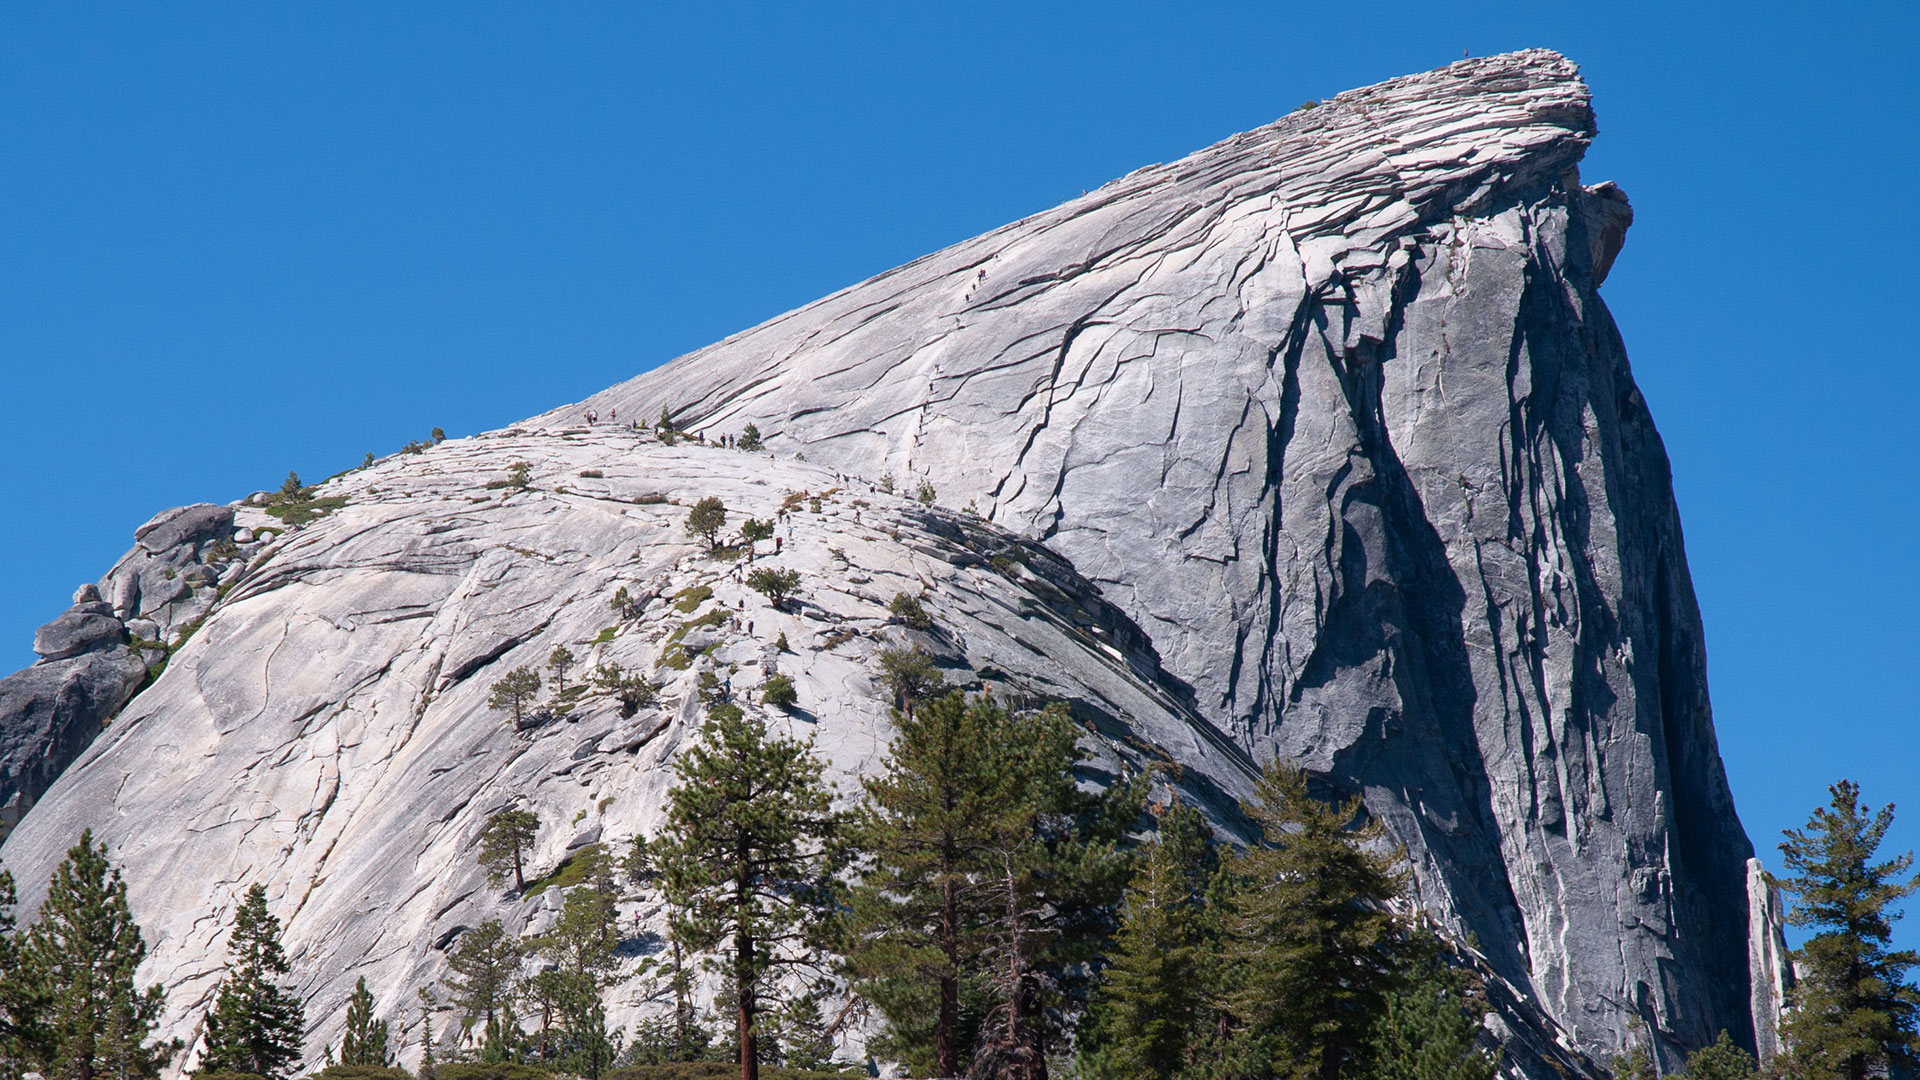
pixel 749 438
pixel 1854 1015
pixel 706 519
pixel 504 841
pixel 777 585
pixel 254 1025
pixel 746 859
pixel 514 690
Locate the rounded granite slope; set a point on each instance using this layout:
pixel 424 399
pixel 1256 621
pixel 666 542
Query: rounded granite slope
pixel 325 731
pixel 1317 444
pixel 1333 411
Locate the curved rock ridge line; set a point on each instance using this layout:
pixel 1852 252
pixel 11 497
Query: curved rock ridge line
pixel 325 731
pixel 1334 412
pixel 1317 444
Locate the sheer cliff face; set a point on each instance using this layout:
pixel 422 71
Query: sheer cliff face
pixel 1333 410
pixel 1334 454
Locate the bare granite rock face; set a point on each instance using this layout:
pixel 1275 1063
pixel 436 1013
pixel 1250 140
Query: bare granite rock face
pixel 1333 411
pixel 1318 443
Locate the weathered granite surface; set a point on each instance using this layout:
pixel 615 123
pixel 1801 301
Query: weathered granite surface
pixel 1321 444
pixel 1334 412
pixel 325 731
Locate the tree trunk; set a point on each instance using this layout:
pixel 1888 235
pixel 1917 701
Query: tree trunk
pixel 946 1049
pixel 743 964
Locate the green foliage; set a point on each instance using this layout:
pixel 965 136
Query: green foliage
pixel 778 692
pixel 365 463
pixel 514 690
pixel 1154 995
pixel 1853 1011
pixel 717 617
pixel 439 435
pixel 909 675
pixel 482 968
pixel 1430 1028
pixel 911 613
pixel 290 487
pixel 745 856
pixel 631 689
pixel 254 1025
pixel 1313 947
pixel 299 510
pixel 988 887
pixel 749 438
pixel 68 987
pixel 690 598
pixel 361 1072
pixel 504 841
pixel 753 530
pixel 577 868
pixel 558 661
pixel 365 1040
pixel 480 1070
pixel 706 519
pixel 1634 1064
pixel 579 952
pixel 715 1070
pixel 606 634
pixel 885 483
pixel 1721 1061
pixel 780 643
pixel 925 493
pixel 778 585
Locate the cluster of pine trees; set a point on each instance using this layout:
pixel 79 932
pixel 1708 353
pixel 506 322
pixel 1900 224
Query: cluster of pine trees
pixel 989 916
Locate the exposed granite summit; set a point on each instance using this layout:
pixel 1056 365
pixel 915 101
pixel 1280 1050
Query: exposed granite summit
pixel 1318 443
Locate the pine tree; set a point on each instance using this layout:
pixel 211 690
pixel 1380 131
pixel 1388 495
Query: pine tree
pixel 1853 1012
pixel 1057 874
pixel 513 691
pixel 1431 1027
pixel 504 840
pixel 22 997
pixel 483 967
pixel 706 519
pixel 365 1040
pixel 427 1057
pixel 1313 947
pixel 749 438
pixel 254 1026
pixel 1153 997
pixel 559 660
pixel 580 948
pixel 746 856
pixel 82 952
pixel 920 909
pixel 1721 1061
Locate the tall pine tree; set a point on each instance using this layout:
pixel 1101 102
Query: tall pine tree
pixel 482 968
pixel 1853 1013
pixel 746 856
pixel 82 953
pixel 919 911
pixel 1153 998
pixel 1314 949
pixel 365 1040
pixel 1057 871
pixel 254 1026
pixel 1431 1026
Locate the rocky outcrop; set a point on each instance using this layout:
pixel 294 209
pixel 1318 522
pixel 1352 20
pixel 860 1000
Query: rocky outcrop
pixel 1316 444
pixel 1334 412
pixel 106 647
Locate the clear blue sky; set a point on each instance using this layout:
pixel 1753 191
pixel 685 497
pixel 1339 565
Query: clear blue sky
pixel 239 239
